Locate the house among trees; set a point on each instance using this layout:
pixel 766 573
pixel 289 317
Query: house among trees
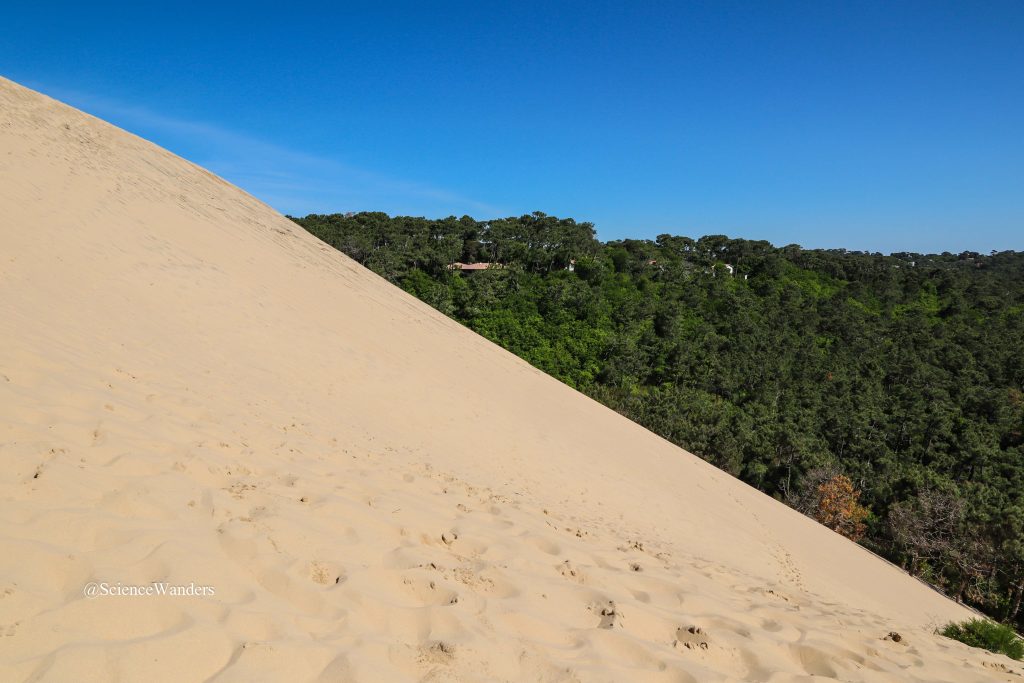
pixel 471 267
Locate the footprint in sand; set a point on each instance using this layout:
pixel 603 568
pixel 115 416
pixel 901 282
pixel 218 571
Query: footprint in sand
pixel 570 572
pixel 547 546
pixel 439 652
pixel 610 615
pixel 691 638
pixel 325 574
pixel 9 630
pixel 428 592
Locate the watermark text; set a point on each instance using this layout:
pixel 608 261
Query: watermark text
pixel 104 589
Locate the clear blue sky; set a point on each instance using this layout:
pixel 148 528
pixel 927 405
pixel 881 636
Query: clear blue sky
pixel 882 126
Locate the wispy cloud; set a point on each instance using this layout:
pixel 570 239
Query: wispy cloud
pixel 292 181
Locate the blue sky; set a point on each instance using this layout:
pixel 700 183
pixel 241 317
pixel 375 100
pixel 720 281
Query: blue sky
pixel 881 126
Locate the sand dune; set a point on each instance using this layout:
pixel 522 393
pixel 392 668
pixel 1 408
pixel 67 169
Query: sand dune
pixel 195 392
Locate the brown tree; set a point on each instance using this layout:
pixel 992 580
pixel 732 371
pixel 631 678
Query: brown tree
pixel 838 507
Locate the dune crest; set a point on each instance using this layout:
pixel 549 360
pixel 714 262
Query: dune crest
pixel 196 393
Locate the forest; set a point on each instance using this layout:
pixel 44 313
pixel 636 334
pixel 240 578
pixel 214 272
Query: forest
pixel 882 395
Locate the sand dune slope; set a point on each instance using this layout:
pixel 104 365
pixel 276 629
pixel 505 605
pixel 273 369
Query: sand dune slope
pixel 195 391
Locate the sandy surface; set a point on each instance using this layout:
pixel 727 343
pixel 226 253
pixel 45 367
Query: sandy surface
pixel 195 391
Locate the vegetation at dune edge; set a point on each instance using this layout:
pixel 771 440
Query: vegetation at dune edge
pixel 998 638
pixel 881 394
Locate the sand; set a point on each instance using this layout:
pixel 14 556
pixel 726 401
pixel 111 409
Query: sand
pixel 196 393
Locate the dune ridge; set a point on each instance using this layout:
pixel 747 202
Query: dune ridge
pixel 194 391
